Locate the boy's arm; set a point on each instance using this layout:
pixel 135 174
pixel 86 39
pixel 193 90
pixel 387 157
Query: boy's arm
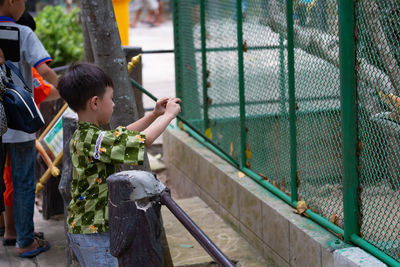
pixel 157 128
pixel 145 122
pixel 172 109
pixel 48 74
pixel 142 123
pixel 54 94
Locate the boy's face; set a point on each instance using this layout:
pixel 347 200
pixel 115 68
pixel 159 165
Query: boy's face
pixel 106 106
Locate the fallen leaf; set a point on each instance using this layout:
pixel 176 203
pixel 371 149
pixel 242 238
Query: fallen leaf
pixel 334 219
pixel 301 207
pixel 297 179
pixel 274 183
pixel 263 176
pixel 315 210
pixel 208 133
pixel 180 125
pixel 241 174
pixel 186 246
pixel 248 164
pixel 248 152
pixel 231 149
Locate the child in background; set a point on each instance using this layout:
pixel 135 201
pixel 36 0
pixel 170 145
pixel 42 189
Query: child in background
pixel 21 145
pixel 152 6
pixel 96 153
pixel 42 92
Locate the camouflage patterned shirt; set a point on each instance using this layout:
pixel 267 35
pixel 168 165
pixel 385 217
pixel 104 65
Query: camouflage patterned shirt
pixel 95 155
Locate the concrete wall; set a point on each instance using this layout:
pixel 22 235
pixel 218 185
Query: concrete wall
pixel 269 224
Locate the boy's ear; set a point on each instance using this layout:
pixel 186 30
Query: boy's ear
pixel 93 102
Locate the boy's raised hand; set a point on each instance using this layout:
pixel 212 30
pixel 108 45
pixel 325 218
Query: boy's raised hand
pixel 161 104
pixel 173 106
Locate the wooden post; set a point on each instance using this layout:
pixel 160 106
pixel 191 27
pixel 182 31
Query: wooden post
pixel 135 218
pixel 52 201
pixel 70 123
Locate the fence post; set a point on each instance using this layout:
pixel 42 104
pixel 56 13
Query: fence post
pixel 292 101
pixel 348 92
pixel 241 83
pixel 204 63
pixel 70 123
pixel 282 83
pixel 135 218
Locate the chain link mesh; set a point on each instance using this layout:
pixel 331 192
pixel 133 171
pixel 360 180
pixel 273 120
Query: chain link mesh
pixel 378 129
pixel 266 94
pixel 223 90
pixel 318 124
pixel 317 92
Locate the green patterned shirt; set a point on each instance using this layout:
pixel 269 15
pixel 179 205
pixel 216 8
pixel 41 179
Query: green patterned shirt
pixel 95 155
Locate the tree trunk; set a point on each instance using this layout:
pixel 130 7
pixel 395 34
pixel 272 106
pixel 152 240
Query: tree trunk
pixel 86 40
pixel 102 31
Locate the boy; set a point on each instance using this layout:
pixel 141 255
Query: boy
pixel 21 145
pixel 95 155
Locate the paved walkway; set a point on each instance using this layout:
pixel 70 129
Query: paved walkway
pixel 54 233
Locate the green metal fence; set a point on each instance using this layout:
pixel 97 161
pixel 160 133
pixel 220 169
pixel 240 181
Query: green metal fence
pixel 301 96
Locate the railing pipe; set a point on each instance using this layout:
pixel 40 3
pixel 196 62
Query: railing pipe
pixel 241 82
pixel 348 90
pixel 161 51
pixel 195 231
pixel 176 48
pixel 374 251
pixel 292 100
pixel 249 48
pixel 204 62
pixel 213 49
pixel 282 82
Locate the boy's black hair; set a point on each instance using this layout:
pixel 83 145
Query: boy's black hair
pixel 81 82
pixel 27 20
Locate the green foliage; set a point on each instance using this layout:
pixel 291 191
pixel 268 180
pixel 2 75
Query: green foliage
pixel 61 34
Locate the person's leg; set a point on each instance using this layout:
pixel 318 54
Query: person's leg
pixel 2 187
pixel 2 227
pixel 137 7
pixel 160 15
pixel 10 231
pixel 137 17
pixel 93 249
pixel 22 157
pixel 152 6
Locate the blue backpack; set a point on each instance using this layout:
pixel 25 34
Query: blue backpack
pixel 20 108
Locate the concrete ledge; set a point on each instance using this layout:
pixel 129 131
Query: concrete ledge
pixel 269 224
